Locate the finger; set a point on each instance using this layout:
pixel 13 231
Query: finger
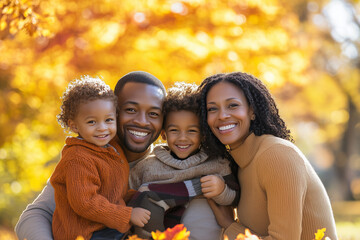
pixel 206 190
pixel 145 221
pixel 205 178
pixel 209 195
pixel 206 195
pixel 206 184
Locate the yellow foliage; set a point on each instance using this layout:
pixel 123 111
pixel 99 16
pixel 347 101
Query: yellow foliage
pixel 178 232
pixel 45 44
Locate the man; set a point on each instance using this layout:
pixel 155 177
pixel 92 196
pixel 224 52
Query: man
pixel 140 98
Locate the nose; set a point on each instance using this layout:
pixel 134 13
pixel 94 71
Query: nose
pixel 141 119
pixel 223 114
pixel 182 136
pixel 102 126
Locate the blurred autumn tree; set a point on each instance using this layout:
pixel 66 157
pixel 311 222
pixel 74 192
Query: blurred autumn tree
pixel 292 46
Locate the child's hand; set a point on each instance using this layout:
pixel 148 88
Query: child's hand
pixel 212 186
pixel 140 216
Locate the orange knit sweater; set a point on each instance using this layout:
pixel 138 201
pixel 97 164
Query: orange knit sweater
pixel 90 185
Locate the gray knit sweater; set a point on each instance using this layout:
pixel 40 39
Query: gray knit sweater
pixel 162 167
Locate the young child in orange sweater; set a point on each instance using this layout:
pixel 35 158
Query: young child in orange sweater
pixel 91 179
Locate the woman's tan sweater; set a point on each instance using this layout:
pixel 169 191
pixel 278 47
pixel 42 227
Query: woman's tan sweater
pixel 281 195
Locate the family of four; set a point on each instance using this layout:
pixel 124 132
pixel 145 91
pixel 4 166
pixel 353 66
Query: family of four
pixel 226 146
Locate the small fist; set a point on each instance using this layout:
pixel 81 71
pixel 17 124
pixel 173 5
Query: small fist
pixel 140 216
pixel 212 185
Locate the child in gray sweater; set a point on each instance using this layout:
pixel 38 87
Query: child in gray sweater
pixel 170 177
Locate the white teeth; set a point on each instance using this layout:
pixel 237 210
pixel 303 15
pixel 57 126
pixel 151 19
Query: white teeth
pixel 102 136
pixel 183 147
pixel 222 128
pixel 138 134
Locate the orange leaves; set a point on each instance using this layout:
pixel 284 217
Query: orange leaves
pixel 179 232
pixel 135 237
pixel 246 236
pixel 176 233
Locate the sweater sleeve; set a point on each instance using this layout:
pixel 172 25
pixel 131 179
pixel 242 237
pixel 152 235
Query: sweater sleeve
pixel 35 222
pixel 282 175
pixel 226 197
pixel 83 182
pixel 231 193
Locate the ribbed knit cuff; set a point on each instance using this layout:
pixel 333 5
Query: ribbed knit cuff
pixel 226 197
pixel 194 187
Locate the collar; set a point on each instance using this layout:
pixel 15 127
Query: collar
pixel 73 141
pixel 162 152
pixel 244 153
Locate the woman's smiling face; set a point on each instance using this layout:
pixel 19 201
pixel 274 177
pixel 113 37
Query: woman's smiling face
pixel 228 113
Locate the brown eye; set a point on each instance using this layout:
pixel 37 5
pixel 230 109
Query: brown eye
pixel 211 109
pixel 130 110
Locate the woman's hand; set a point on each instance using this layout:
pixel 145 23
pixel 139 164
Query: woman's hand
pixel 140 216
pixel 224 214
pixel 212 186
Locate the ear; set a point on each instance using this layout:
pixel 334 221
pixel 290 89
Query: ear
pixel 163 135
pixel 72 126
pixel 252 114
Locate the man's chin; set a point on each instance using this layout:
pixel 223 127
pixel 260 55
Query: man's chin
pixel 137 148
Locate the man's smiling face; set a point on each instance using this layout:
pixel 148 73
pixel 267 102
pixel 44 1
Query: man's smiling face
pixel 140 115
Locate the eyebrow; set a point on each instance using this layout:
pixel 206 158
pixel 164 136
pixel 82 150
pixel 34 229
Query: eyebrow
pixel 94 116
pixel 228 99
pixel 136 103
pixel 194 125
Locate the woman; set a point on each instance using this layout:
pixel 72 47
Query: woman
pixel 281 195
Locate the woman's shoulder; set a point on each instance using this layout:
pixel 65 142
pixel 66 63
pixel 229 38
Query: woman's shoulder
pixel 269 143
pixel 277 151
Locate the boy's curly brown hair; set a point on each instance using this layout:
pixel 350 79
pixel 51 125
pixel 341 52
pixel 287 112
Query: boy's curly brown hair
pixel 79 91
pixel 181 96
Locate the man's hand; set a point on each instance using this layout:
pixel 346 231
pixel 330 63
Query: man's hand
pixel 224 214
pixel 212 186
pixel 140 216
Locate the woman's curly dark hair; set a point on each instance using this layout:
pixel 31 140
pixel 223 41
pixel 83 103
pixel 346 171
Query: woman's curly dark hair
pixel 79 91
pixel 181 96
pixel 267 118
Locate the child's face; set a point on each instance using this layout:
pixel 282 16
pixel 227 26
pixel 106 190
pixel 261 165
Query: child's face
pixel 182 133
pixel 95 121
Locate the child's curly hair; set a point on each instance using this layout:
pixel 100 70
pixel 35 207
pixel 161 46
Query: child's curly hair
pixel 79 91
pixel 181 96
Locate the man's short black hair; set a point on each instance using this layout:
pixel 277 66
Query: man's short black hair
pixel 139 77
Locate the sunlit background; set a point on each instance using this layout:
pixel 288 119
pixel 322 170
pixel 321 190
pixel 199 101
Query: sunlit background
pixel 306 52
